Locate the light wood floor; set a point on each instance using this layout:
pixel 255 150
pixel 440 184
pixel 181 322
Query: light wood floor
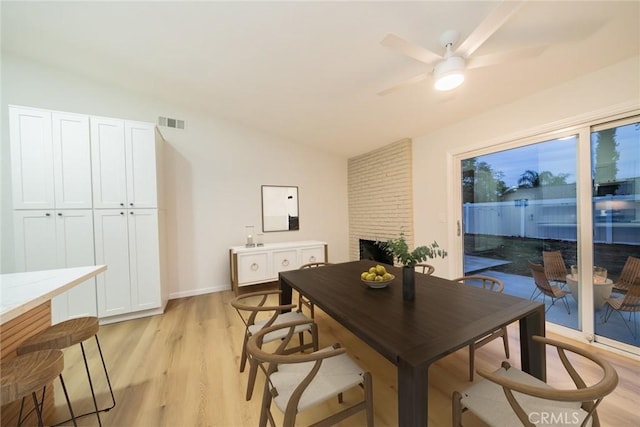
pixel 181 369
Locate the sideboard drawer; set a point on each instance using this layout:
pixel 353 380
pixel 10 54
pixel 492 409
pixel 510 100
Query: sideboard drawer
pixel 313 254
pixel 253 267
pixel 284 261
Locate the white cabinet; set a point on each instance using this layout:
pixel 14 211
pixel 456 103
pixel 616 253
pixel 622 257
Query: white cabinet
pixel 50 158
pixel 140 150
pixel 35 240
pixel 74 237
pixel 71 172
pixel 48 239
pixel 144 259
pixel 124 164
pixel 112 249
pixel 72 161
pixel 262 264
pixel 127 241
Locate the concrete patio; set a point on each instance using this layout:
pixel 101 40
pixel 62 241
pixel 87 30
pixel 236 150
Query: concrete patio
pixel 523 287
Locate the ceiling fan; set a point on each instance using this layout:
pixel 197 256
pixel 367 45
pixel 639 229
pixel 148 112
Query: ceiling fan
pixel 449 69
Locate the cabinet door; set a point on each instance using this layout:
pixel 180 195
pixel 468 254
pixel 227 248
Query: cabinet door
pixel 284 261
pixel 35 240
pixel 144 258
pixel 31 158
pixel 312 254
pixel 108 163
pixel 141 165
pixel 72 161
pixel 112 249
pixel 253 268
pixel 74 239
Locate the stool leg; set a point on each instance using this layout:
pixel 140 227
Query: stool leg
pixel 38 411
pixel 37 406
pixel 66 395
pixel 20 413
pixel 106 374
pixel 93 394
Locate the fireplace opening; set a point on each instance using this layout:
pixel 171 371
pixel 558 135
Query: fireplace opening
pixel 376 251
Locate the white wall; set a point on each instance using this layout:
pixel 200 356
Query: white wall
pixel 213 173
pixel 434 218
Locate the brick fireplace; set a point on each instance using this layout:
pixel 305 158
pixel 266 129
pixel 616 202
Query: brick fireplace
pixel 380 187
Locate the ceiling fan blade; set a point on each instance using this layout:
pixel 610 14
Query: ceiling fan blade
pixel 410 49
pixel 501 57
pixel 490 25
pixel 408 82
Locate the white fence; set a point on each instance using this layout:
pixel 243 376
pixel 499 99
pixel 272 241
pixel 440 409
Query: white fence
pixel 616 219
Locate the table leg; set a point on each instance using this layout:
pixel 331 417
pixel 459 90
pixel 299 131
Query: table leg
pixel 286 294
pixel 412 395
pixel 532 354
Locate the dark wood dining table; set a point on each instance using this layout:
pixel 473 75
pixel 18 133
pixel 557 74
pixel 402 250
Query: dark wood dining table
pixel 444 317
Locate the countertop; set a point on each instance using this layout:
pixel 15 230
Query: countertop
pixel 20 292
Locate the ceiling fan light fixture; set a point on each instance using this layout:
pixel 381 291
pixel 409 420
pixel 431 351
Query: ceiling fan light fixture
pixel 449 73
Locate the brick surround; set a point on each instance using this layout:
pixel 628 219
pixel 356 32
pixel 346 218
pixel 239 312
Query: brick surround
pixel 380 186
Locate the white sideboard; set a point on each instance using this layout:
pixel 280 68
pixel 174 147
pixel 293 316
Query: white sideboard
pixel 261 264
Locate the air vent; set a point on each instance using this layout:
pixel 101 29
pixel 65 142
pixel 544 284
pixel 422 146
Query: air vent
pixel 171 123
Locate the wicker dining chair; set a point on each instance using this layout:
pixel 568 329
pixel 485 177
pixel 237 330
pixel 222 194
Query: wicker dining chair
pixel 427 269
pixel 297 382
pixel 544 288
pixel 554 267
pixel 630 272
pixel 302 300
pixel 495 285
pixel 510 397
pixel 256 314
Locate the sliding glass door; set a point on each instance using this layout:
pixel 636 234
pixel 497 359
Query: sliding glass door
pixel 517 204
pixel 575 196
pixel 615 149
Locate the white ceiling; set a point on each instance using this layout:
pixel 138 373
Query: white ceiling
pixel 310 71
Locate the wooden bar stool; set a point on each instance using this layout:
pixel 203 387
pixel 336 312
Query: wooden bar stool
pixel 66 334
pixel 25 375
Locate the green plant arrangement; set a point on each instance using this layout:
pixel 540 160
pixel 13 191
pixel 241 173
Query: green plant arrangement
pixel 400 251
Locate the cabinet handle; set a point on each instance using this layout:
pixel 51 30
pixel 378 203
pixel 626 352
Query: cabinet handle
pixel 47 214
pixel 59 213
pixel 121 213
pixel 130 213
pixel 312 258
pixel 254 267
pixel 285 262
pixel 130 204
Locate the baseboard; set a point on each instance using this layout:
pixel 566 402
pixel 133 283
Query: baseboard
pixel 201 291
pixel 131 316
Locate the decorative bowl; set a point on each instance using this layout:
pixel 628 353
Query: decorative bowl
pixel 376 285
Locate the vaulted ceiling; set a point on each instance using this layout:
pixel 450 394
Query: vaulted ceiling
pixel 310 72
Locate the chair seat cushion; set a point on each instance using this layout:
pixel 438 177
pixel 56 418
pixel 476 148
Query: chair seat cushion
pixel 291 316
pixel 487 400
pixel 336 374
